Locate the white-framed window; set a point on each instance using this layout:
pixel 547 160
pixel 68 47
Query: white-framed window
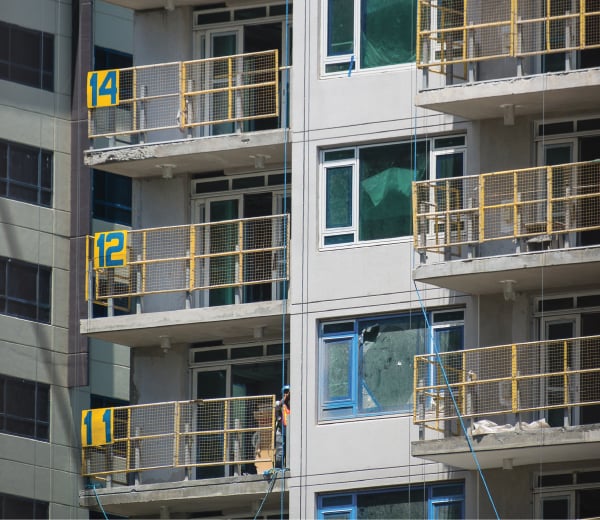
pixel 367 189
pixel 363 34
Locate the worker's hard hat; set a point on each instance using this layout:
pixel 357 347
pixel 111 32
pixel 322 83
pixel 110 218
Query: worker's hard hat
pixel 285 388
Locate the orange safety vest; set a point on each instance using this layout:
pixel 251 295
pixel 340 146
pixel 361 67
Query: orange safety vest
pixel 285 412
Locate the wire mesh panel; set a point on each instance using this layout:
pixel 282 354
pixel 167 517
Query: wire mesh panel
pixel 212 432
pixel 231 253
pixel 187 94
pixel 233 88
pixel 462 31
pixel 475 383
pixel 515 204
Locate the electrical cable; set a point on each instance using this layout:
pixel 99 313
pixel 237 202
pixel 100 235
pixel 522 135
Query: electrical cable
pixel 99 503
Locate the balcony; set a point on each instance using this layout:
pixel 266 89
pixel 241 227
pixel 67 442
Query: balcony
pixel 494 60
pixel 473 232
pixel 147 457
pixel 514 384
pixel 187 117
pixel 218 280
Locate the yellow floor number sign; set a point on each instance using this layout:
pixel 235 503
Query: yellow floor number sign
pixel 102 88
pixel 97 427
pixel 110 249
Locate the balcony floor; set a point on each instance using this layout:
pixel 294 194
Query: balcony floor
pixel 227 323
pixel 557 269
pixel 220 497
pixel 525 447
pixel 194 155
pixel 551 93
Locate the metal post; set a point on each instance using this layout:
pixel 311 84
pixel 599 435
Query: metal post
pixel 138 288
pixel 187 452
pixel 189 108
pixel 470 55
pixel 137 457
pixel 143 94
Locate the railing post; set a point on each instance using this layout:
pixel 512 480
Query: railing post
pixel 470 54
pixel 187 452
pixel 92 288
pixel 137 457
pixel 237 448
pixel 566 382
pixel 567 239
pixel 567 43
pixel 513 379
pixel 189 109
pixel 240 267
pixel 423 231
pixel 138 286
pixel 143 94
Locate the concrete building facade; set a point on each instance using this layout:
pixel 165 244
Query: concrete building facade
pixel 389 205
pixel 48 374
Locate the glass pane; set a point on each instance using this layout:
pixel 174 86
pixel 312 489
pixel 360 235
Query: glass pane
pixel 447 511
pixel 388 347
pixel 20 398
pixel 340 27
pixel 385 196
pixel 555 508
pixel 338 197
pixel 382 43
pixel 392 504
pixel 337 358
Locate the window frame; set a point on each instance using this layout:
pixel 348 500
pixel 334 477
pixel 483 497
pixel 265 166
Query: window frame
pixel 39 508
pixel 346 64
pixel 14 177
pixel 42 309
pixel 351 401
pixel 435 148
pixel 350 507
pixel 39 409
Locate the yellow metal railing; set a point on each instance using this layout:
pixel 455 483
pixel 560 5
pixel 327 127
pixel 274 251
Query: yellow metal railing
pixel 515 204
pixel 181 434
pixel 183 95
pixel 507 379
pixel 215 255
pixel 466 31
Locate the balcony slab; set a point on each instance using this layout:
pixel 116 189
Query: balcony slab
pixel 219 497
pixel 194 155
pixel 551 93
pixel 557 269
pixel 520 447
pixel 228 323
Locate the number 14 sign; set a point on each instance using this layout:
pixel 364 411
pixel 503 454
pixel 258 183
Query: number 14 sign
pixel 103 88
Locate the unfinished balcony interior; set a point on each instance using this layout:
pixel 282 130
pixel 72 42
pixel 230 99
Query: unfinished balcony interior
pixel 475 232
pixel 182 458
pixel 222 279
pixel 517 404
pixel 216 100
pixel 508 58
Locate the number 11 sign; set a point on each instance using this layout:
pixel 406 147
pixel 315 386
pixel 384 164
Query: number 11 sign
pixel 97 427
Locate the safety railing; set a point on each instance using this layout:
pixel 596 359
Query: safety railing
pixel 215 255
pixel 466 31
pixel 545 203
pixel 507 379
pixel 233 432
pixel 183 95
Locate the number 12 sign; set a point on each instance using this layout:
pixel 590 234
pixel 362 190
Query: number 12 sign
pixel 110 249
pixel 102 88
pixel 97 427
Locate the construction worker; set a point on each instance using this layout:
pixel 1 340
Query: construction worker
pixel 283 418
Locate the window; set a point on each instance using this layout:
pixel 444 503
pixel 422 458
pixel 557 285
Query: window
pixel 25 290
pixel 26 56
pixel 12 506
pixel 568 495
pixel 366 364
pixel 427 501
pixel 111 198
pixel 361 34
pixel 368 189
pixel 25 173
pixel 24 408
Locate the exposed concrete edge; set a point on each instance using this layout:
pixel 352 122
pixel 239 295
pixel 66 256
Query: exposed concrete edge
pixel 508 440
pixel 181 317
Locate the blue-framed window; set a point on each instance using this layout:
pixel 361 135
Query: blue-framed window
pixel 362 34
pixel 111 198
pixel 423 501
pixel 12 506
pixel 366 364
